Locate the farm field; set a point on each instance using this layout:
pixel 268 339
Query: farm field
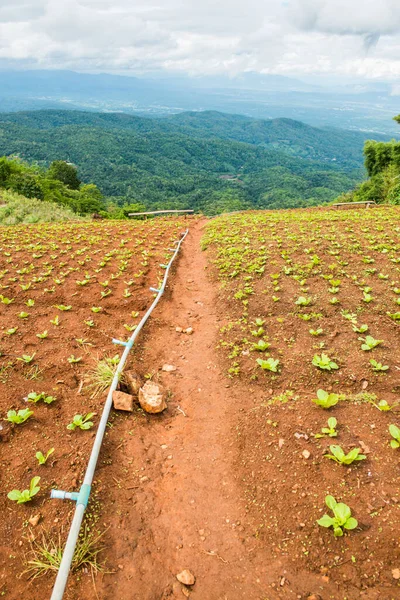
pixel 65 291
pixel 310 301
pixel 293 355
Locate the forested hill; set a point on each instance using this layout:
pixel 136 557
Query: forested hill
pixel 208 161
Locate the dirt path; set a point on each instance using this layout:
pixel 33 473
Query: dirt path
pixel 177 502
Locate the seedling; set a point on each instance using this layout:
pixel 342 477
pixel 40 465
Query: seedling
pixel 326 400
pixel 55 321
pixel 339 456
pixel 82 422
pixel 30 302
pixel 330 430
pixel 302 301
pixel 89 323
pixel 258 332
pixel 62 307
pixel 73 359
pixel 324 362
pixel 96 309
pixel 12 330
pixel 26 358
pixel 369 343
pixel 19 417
pixel 268 365
pixel 36 397
pixel 23 315
pixel 43 336
pixel 377 366
pixel 367 297
pixel 42 459
pixel 316 332
pixel 342 518
pixel 395 433
pixel 25 495
pixel 361 329
pixel 5 300
pixel 261 346
pixel 384 406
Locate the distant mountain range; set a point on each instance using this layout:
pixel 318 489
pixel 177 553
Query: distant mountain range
pixel 365 107
pixel 205 160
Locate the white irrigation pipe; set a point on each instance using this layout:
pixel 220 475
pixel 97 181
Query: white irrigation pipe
pixel 82 497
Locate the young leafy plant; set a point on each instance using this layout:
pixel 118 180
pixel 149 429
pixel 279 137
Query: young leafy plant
pixel 341 519
pixel 316 332
pixel 36 397
pixel 324 362
pixel 73 359
pixel 26 358
pixel 395 433
pixel 325 399
pixel 302 301
pixel 339 456
pixel 82 422
pixel 19 417
pixel 330 430
pixel 268 365
pixel 261 346
pixel 384 406
pixel 42 458
pixel 25 495
pixel 43 336
pixel 369 343
pixel 377 366
pixel 361 329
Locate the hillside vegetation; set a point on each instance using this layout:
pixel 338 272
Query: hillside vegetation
pixel 206 161
pixel 382 162
pixel 16 209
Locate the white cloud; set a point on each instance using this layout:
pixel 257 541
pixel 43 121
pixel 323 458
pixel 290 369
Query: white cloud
pixel 356 38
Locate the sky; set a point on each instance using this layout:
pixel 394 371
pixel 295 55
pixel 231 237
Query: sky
pixel 337 38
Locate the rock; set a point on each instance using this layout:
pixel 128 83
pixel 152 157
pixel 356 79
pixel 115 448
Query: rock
pixel 178 329
pixel 133 382
pixel 396 573
pixel 281 442
pixel 123 401
pixel 152 397
pixel 306 454
pixel 34 520
pixel 185 592
pixel 168 368
pixel 189 330
pixel 186 577
pixel 314 597
pixel 364 384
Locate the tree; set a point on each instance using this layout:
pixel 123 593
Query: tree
pixel 65 172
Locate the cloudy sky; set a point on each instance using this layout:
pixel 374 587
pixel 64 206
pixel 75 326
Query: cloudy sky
pixel 352 38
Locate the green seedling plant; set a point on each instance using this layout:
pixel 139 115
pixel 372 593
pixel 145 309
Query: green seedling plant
pixel 11 331
pixel 26 358
pixel 328 431
pixel 302 301
pixel 384 406
pixel 25 495
pixel 325 399
pixel 361 329
pixel 316 332
pixel 324 362
pixel 378 367
pixel 339 456
pixel 17 418
pixel 42 396
pixel 42 458
pixel 268 365
pixel 62 307
pixel 73 359
pixel 23 315
pixel 43 336
pixel 96 309
pixel 369 343
pixel 55 321
pixel 81 422
pixel 395 433
pixel 341 519
pixel 261 346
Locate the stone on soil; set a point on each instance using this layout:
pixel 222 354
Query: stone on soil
pixel 133 382
pixel 152 397
pixel 186 577
pixel 123 401
pixel 168 368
